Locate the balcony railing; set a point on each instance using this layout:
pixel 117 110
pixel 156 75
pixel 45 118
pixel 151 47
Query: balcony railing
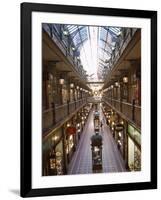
pixel 56 114
pixel 131 111
pixel 65 49
pixel 60 112
pixel 121 46
pixel 94 99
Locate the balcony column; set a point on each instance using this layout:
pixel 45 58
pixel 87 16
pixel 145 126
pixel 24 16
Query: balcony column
pixel 68 90
pixel 51 68
pixel 138 85
pixel 83 94
pixel 59 89
pixel 54 114
pixel 121 94
pixel 69 99
pixel 134 74
pixel 80 93
pixel 135 85
pixel 112 94
pixel 85 97
pixel 48 84
pixel 64 149
pixel 75 90
pixel 75 93
pixel 126 144
pixel 130 86
pixel 45 90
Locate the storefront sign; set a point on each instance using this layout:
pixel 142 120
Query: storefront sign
pixel 71 130
pixel 119 127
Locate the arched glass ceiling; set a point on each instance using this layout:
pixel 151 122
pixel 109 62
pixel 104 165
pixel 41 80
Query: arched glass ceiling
pixel 78 34
pixel 96 45
pixel 108 39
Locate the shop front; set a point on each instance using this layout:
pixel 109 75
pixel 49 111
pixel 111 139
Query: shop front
pixel 96 147
pixel 96 121
pixel 70 142
pixel 119 137
pixel 134 149
pixel 112 123
pixel 78 127
pixel 53 156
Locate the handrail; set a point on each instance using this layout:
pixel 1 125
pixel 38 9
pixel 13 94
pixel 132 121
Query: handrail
pixel 123 102
pixel 51 116
pixel 60 106
pixel 127 109
pixel 63 105
pixel 47 110
pixel 119 51
pixel 66 51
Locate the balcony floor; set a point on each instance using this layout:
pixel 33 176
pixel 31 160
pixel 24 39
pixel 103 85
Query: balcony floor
pixel 81 162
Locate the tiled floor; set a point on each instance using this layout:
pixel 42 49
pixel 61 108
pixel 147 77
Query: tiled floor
pixel 81 162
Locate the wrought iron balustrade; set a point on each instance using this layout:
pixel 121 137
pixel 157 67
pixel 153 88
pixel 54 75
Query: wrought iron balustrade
pixel 54 115
pixel 126 37
pixel 64 45
pixel 131 111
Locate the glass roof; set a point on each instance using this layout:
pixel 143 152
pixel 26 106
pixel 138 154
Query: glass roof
pixel 79 34
pixel 93 45
pixel 96 45
pixel 108 37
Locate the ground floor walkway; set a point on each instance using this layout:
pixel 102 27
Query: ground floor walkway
pixel 81 162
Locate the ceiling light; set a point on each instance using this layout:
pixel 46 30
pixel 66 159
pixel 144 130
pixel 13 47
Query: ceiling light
pixel 65 32
pixel 72 85
pixel 125 79
pixel 61 81
pixel 73 48
pixel 117 84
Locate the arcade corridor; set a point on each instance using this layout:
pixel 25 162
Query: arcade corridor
pixel 81 162
pixel 91 99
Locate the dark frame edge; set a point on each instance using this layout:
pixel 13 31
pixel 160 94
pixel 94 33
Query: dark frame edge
pixel 154 99
pixel 93 189
pixel 25 127
pixel 76 9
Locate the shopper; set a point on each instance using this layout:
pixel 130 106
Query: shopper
pixel 101 125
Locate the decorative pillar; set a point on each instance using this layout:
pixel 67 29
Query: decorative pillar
pixel 45 90
pixel 64 149
pixel 51 68
pixel 121 91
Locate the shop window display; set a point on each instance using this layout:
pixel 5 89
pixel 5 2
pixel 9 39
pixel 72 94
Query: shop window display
pixel 64 94
pixel 71 95
pixel 134 152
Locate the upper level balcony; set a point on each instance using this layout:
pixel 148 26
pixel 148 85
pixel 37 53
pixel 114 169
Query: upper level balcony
pixel 130 111
pixel 64 45
pixel 56 114
pixel 128 37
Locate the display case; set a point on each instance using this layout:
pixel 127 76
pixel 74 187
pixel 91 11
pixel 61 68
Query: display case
pixel 96 121
pixel 96 147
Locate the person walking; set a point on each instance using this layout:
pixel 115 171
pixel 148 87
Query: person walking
pixel 104 120
pixel 101 124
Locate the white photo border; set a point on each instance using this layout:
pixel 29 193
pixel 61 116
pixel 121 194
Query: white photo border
pixel 39 181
